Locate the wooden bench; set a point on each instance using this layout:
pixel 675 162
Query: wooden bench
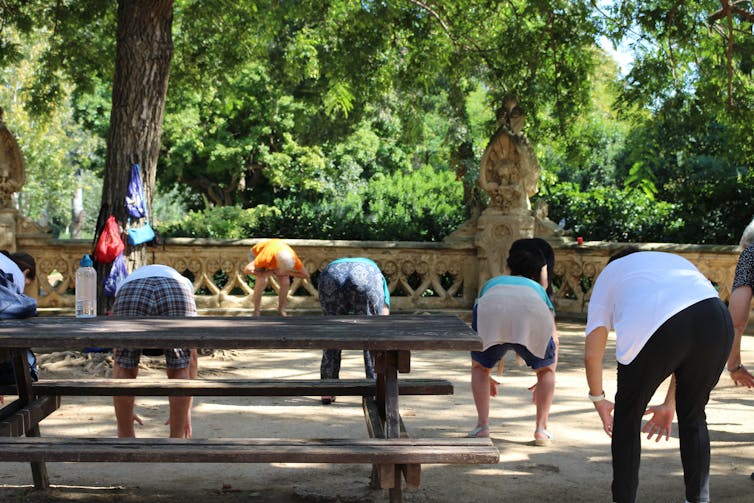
pixel 228 387
pixel 252 450
pixel 391 339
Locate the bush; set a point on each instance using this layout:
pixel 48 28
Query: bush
pixel 423 205
pixel 610 214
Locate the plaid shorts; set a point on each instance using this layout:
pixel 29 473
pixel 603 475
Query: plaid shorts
pixel 154 297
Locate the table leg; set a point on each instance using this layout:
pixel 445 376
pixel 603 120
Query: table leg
pixel 25 396
pixel 388 364
pixel 392 412
pixel 393 418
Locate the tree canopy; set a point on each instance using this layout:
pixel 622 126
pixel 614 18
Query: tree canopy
pixel 313 104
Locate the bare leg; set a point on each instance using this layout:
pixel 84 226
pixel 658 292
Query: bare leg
pixel 194 364
pixel 543 395
pixel 260 283
pixel 480 389
pixel 124 405
pixel 193 372
pixel 285 284
pixel 180 407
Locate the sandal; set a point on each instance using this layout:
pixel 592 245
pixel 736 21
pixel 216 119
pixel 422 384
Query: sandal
pixel 479 431
pixel 548 437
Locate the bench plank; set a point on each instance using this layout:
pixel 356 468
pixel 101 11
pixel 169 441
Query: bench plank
pixel 228 387
pixel 256 450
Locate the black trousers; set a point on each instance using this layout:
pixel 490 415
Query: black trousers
pixel 694 344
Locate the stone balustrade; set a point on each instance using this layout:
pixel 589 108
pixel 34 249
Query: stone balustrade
pixel 422 277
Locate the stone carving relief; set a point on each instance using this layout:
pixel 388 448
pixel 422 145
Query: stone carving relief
pixel 509 170
pixel 12 173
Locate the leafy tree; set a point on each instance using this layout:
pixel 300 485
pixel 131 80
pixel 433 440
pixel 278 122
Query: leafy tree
pixel 609 214
pixel 421 205
pixel 54 148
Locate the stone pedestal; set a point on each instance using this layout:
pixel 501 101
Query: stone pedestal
pixel 8 229
pixel 496 232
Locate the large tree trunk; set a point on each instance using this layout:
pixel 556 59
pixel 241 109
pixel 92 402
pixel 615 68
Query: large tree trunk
pixel 144 49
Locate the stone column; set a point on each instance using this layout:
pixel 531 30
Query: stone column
pixel 8 229
pixel 12 178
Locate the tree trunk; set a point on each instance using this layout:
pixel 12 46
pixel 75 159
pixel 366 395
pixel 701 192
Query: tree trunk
pixel 143 52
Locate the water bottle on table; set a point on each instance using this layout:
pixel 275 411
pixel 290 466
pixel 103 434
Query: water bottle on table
pixel 86 289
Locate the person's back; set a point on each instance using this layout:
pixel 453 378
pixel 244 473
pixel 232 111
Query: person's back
pixel 350 286
pixel 514 313
pixel 16 271
pixel 155 290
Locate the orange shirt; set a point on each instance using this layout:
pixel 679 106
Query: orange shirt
pixel 276 255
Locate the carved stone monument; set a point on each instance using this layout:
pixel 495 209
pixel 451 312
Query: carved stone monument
pixel 12 178
pixel 509 173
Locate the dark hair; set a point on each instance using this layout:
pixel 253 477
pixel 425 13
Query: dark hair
pixel 24 261
pixel 526 263
pixel 545 250
pixel 624 252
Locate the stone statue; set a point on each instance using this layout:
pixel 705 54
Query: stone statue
pixel 12 172
pixel 509 169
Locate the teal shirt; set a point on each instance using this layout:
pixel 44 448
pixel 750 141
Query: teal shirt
pixel 519 281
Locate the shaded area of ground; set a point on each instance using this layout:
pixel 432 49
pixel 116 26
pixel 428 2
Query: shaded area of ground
pixel 576 467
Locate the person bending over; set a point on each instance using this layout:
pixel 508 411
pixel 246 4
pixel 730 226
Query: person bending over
pixel 514 313
pixel 155 290
pixel 273 257
pixel 668 321
pixel 350 286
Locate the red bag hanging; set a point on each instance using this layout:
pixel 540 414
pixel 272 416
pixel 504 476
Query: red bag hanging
pixel 109 245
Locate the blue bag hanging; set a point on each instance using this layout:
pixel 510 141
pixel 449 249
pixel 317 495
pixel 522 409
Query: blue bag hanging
pixel 135 196
pixel 137 208
pixel 116 276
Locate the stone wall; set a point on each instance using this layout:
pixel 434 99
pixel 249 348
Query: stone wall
pixel 422 277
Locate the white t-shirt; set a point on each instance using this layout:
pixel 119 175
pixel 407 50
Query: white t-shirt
pixel 156 271
pixel 10 267
pixel 637 293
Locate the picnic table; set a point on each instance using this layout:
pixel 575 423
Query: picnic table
pixel 393 453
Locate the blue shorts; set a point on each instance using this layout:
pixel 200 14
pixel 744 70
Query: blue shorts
pixel 490 356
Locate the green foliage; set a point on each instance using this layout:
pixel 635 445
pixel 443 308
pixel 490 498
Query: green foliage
pixel 220 222
pixel 423 205
pixel 610 214
pixel 323 116
pixel 59 156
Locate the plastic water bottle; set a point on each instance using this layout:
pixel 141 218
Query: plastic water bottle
pixel 86 289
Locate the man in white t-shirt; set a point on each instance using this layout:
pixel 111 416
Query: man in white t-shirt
pixel 668 320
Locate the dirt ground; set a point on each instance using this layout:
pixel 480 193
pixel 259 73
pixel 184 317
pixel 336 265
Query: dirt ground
pixel 575 467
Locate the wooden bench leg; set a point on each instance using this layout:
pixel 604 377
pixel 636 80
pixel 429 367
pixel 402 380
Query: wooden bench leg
pixel 396 492
pixel 38 468
pixel 412 473
pixel 23 382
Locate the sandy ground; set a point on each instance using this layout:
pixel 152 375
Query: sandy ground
pixel 576 467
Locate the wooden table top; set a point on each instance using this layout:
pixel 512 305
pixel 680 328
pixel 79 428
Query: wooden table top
pixel 394 332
